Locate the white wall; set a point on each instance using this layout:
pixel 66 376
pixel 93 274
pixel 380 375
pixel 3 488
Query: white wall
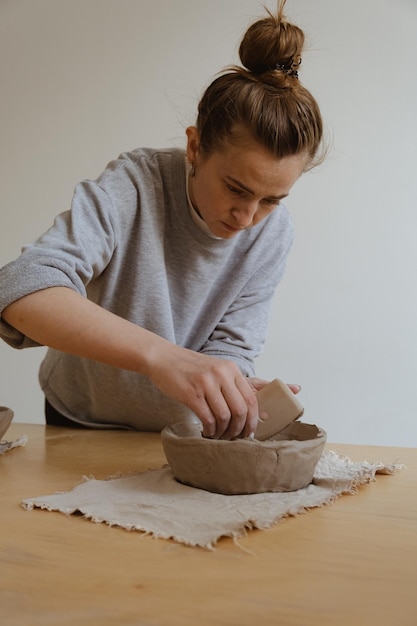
pixel 83 80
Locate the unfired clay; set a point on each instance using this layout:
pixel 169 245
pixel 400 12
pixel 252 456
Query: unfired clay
pixel 242 466
pixel 6 416
pixel 281 404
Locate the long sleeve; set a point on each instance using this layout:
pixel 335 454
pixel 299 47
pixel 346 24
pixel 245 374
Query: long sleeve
pixel 130 245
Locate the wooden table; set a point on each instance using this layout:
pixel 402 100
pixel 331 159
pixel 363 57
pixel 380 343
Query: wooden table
pixel 353 563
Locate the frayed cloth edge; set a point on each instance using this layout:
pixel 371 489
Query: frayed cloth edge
pixel 241 530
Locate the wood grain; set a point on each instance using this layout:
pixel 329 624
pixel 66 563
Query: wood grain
pixel 352 563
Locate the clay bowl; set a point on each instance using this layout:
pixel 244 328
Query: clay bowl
pixel 242 466
pixel 6 416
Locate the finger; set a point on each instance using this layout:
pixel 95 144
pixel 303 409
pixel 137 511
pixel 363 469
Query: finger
pixel 229 409
pixel 201 408
pixel 244 412
pixel 209 424
pixel 236 425
pixel 294 388
pixel 257 383
pixel 220 410
pixel 252 416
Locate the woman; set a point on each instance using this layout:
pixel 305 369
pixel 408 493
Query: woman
pixel 153 292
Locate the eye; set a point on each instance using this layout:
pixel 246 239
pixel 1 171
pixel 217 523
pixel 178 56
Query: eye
pixel 272 201
pixel 235 190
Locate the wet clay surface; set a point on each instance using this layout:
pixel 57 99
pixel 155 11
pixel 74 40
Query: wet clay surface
pixel 242 466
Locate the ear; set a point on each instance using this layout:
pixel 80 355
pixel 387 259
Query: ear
pixel 193 144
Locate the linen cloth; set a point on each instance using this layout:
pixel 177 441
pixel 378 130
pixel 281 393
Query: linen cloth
pixel 9 445
pixel 155 503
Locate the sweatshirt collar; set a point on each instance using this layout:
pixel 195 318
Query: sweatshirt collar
pixel 193 213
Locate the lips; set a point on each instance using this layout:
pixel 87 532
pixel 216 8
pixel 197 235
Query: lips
pixel 231 229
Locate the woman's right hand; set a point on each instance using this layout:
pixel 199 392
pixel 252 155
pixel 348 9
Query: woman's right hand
pixel 213 388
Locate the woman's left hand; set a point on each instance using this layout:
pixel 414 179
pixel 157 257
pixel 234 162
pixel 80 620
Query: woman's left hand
pixel 258 383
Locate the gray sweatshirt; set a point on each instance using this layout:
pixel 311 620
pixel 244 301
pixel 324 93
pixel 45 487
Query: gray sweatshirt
pixel 130 244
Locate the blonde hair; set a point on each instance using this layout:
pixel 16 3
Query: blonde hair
pixel 265 95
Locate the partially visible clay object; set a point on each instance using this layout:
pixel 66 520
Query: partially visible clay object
pixel 281 404
pixel 6 416
pixel 243 466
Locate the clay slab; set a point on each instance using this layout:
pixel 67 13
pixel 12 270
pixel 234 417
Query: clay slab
pixel 282 406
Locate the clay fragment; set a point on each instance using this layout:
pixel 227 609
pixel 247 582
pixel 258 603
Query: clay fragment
pixel 281 404
pixel 242 466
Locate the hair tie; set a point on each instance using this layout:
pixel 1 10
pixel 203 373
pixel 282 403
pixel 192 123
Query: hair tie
pixel 288 68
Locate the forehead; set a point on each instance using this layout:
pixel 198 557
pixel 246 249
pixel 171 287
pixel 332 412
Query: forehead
pixel 250 163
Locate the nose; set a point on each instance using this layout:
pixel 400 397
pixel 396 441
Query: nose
pixel 244 214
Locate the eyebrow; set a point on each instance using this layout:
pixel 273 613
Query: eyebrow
pixel 250 191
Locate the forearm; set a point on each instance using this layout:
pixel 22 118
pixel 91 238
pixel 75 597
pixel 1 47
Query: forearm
pixel 62 319
pixel 214 389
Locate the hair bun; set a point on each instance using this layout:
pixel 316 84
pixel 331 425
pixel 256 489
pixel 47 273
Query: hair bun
pixel 272 44
pixel 263 99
